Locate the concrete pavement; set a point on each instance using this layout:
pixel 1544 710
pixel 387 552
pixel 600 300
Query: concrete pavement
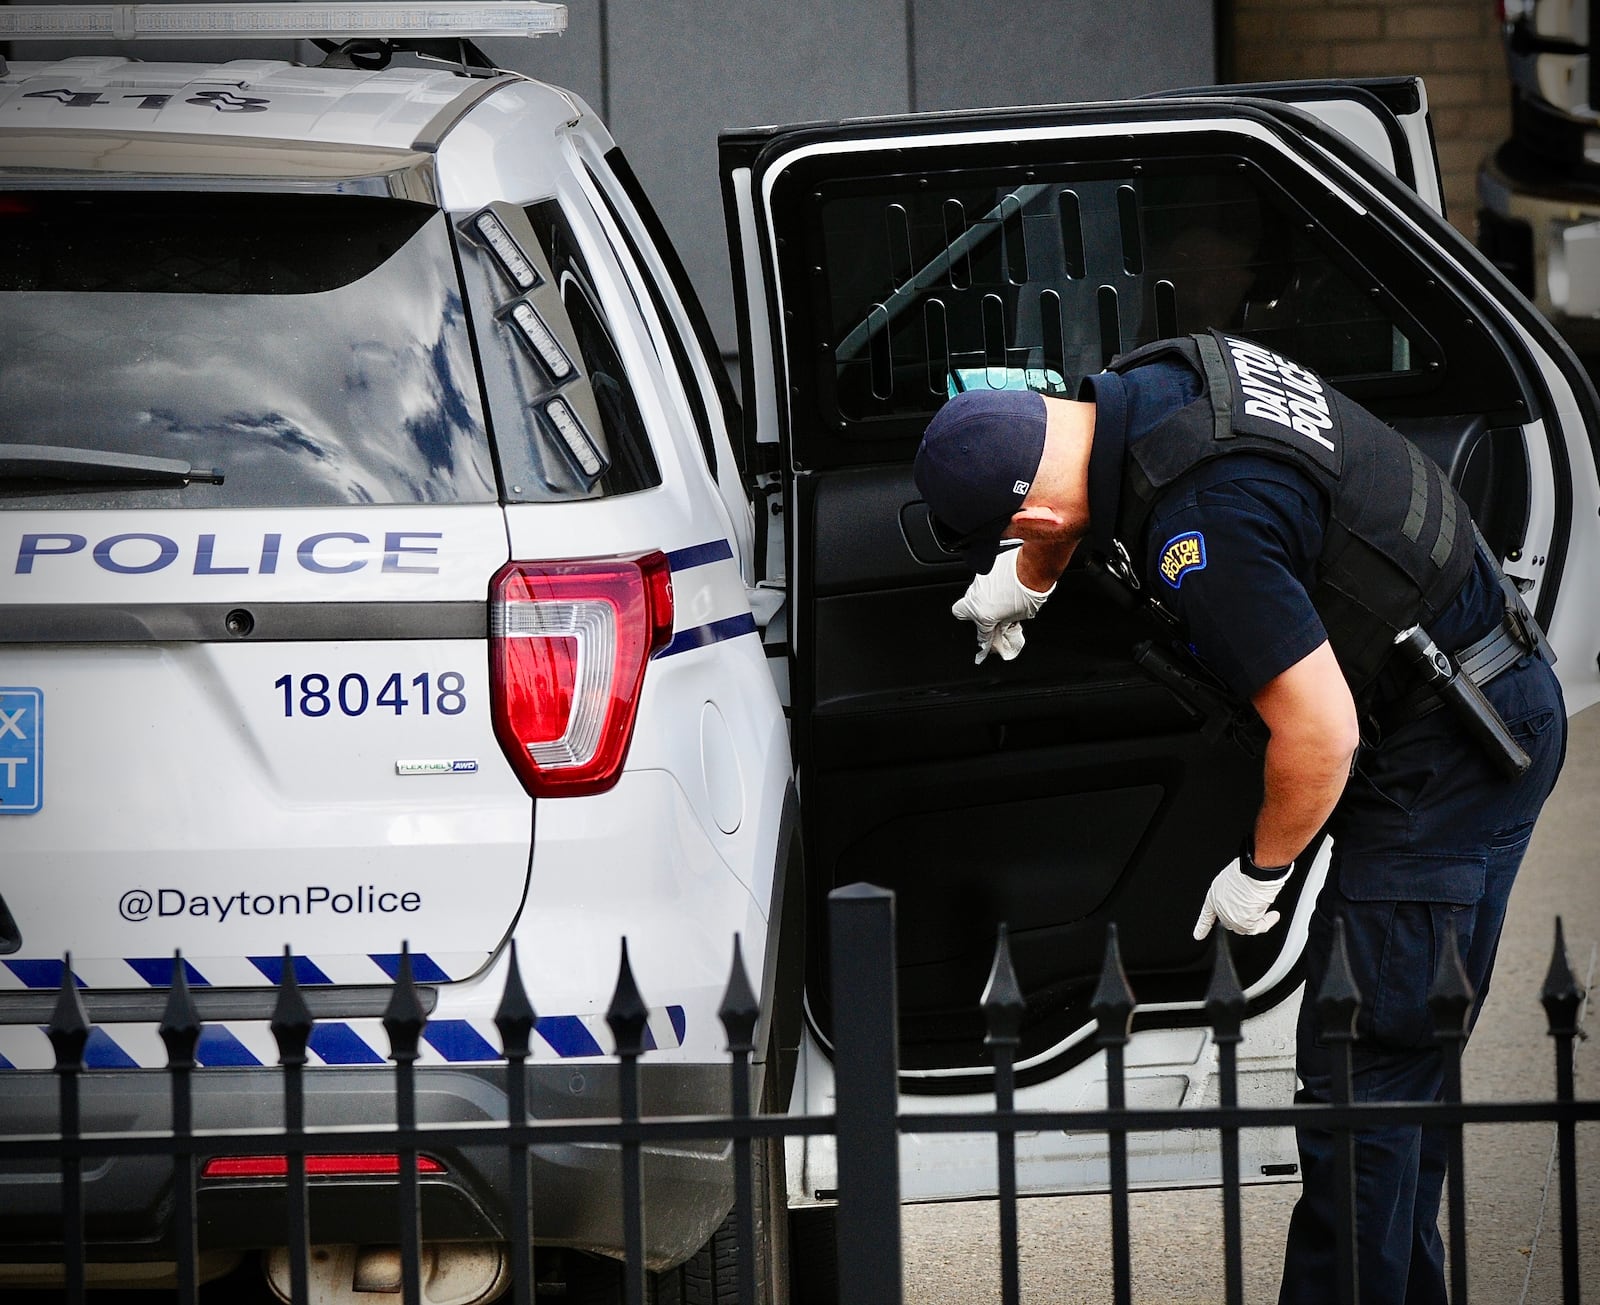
pixel 1513 1229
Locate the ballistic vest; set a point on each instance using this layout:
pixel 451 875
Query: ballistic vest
pixel 1399 541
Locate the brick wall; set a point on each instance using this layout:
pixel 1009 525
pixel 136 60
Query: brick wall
pixel 1454 45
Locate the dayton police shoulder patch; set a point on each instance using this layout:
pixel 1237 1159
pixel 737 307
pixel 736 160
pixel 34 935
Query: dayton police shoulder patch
pixel 1183 553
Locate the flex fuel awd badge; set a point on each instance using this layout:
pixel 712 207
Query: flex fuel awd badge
pixel 436 767
pixel 21 751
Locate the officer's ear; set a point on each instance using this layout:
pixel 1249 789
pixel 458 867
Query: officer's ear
pixel 1036 521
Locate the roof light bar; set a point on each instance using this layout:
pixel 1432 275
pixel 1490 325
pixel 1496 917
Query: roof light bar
pixel 176 22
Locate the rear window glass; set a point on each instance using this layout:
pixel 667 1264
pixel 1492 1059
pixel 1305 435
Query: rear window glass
pixel 1052 278
pixel 305 349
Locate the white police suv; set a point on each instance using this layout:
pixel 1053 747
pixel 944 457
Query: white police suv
pixel 374 573
pixel 379 564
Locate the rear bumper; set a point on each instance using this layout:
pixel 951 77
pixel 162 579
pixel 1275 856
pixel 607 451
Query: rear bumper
pixel 576 1188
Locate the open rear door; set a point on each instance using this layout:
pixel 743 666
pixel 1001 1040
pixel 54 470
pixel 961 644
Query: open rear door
pixel 1385 117
pixel 1068 790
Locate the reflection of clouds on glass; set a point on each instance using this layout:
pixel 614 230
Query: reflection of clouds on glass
pixel 366 393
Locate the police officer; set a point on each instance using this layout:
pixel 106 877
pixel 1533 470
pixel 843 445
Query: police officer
pixel 1327 573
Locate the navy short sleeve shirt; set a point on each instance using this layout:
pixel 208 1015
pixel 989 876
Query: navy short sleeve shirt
pixel 1231 549
pixel 1231 552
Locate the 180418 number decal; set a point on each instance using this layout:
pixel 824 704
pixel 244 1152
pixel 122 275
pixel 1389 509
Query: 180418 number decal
pixel 354 695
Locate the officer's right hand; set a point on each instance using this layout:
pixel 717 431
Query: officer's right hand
pixel 1239 902
pixel 996 604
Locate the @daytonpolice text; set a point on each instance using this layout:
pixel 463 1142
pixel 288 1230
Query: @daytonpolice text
pixel 316 899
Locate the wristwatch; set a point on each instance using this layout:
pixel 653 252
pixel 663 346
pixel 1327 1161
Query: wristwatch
pixel 1265 873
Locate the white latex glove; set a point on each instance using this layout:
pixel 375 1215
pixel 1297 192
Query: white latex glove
pixel 997 603
pixel 1238 902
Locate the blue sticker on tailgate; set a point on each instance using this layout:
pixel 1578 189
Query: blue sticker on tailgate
pixel 21 751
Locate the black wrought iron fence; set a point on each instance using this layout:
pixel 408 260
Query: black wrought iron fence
pixel 866 1124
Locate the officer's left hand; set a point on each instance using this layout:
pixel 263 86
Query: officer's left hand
pixel 1239 902
pixel 996 603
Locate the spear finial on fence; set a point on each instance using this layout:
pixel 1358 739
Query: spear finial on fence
pixel 628 1016
pixel 1339 999
pixel 1450 997
pixel 1562 994
pixel 291 1022
pixel 1003 1003
pixel 404 1019
pixel 68 1029
pixel 1112 1005
pixel 1225 999
pixel 741 1008
pixel 515 1017
pixel 180 1022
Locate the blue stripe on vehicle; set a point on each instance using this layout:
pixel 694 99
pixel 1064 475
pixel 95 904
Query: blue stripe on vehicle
pixel 157 971
pixel 339 1044
pixel 458 1040
pixel 306 972
pixel 40 974
pixel 702 636
pixel 6 1064
pixel 680 1021
pixel 424 969
pixel 718 550
pixel 568 1036
pixel 101 1052
pixel 219 1047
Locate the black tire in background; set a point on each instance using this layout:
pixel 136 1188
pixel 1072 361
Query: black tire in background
pixel 711 1275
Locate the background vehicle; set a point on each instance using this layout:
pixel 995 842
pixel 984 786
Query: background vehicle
pixel 443 257
pixel 1539 193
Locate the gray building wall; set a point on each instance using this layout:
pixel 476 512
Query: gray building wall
pixel 668 75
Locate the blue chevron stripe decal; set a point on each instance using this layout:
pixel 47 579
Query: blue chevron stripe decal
pixel 41 973
pixel 457 1040
pixel 306 972
pixel 337 1042
pixel 716 550
pixel 101 1052
pixel 157 971
pixel 219 1047
pixel 702 636
pixel 424 969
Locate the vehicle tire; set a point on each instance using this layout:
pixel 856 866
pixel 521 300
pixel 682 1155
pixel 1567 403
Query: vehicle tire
pixel 711 1275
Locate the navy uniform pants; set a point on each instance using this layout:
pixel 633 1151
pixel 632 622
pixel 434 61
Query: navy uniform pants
pixel 1427 832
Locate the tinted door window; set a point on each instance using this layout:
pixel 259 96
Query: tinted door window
pixel 1057 277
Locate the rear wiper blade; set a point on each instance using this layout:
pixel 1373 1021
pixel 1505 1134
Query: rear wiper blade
pixel 99 466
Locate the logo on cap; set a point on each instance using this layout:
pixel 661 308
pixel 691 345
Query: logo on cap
pixel 1021 487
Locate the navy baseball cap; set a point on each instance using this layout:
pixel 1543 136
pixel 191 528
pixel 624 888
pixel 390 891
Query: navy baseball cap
pixel 975 465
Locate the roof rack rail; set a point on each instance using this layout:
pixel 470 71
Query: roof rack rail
pixel 354 20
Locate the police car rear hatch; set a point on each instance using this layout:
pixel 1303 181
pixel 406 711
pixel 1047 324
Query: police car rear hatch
pixel 248 520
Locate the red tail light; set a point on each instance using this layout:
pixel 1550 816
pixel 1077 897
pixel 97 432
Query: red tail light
pixel 363 1164
pixel 568 647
